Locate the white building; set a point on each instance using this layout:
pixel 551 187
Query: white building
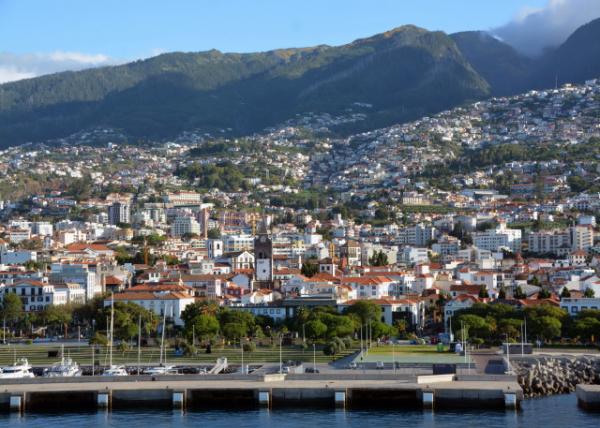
pixel 185 225
pixel 582 237
pixel 498 238
pixel 575 305
pixel 171 303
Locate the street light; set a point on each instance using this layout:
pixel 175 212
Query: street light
pixel 314 358
pixel 280 354
pixel 242 347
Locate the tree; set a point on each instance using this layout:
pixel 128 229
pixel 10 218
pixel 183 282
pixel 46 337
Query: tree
pixel 589 293
pixel 546 327
pixel 587 328
pixel 519 293
pixel 214 233
pixel 483 293
pixel 474 325
pixel 379 258
pixel 510 327
pixel 544 294
pixel 316 329
pixel 203 326
pixel 565 293
pixel 57 316
pixel 502 293
pixel 233 331
pixel 365 310
pixel 309 269
pixel 12 308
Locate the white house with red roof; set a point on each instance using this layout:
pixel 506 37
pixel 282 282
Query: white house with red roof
pixel 171 303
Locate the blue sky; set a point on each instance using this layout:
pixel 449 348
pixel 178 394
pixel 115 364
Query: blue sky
pixel 45 36
pixel 135 28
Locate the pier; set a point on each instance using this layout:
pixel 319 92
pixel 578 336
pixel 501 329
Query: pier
pixel 266 391
pixel 588 396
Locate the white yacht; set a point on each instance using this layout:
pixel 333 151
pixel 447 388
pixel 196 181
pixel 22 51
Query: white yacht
pixel 115 371
pixel 19 370
pixel 160 370
pixel 65 368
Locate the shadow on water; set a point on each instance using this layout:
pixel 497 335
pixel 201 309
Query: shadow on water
pixel 558 411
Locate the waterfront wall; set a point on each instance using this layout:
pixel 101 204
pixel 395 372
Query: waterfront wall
pixel 549 375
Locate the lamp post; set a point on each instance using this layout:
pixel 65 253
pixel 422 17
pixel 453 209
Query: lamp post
pixel 242 348
pixel 314 358
pixel 280 353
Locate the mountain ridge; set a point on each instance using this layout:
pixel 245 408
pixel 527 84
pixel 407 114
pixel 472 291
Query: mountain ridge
pixel 403 73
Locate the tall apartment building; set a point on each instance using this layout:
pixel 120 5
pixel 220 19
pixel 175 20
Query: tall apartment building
pixel 582 237
pixel 554 242
pixel 119 212
pixel 495 239
pixel 185 225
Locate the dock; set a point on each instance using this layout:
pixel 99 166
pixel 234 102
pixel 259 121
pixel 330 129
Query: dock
pixel 267 391
pixel 588 396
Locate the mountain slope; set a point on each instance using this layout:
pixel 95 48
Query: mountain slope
pixel 499 64
pixel 404 73
pixel 575 61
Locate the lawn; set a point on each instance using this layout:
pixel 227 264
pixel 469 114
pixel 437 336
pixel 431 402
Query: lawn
pixel 37 354
pixel 411 354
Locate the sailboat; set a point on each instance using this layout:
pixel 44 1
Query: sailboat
pixel 65 368
pixel 162 368
pixel 113 370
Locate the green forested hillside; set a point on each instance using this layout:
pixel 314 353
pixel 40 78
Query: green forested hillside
pixel 403 73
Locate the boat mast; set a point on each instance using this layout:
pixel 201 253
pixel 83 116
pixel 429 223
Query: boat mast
pixel 162 339
pixel 112 324
pixel 139 341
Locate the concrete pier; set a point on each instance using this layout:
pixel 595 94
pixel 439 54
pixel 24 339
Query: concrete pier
pixel 188 392
pixel 588 396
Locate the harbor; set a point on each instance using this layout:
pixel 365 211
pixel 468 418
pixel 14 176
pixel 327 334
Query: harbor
pixel 344 391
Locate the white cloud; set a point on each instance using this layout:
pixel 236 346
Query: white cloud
pixel 532 30
pixel 23 66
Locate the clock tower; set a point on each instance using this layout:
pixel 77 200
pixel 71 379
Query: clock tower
pixel 263 258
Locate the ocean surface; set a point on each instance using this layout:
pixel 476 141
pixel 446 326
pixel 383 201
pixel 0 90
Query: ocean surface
pixel 557 411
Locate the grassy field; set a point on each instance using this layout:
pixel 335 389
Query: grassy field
pixel 426 354
pixel 38 355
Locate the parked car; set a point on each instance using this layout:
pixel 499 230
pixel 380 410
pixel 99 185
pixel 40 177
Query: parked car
pixel 311 370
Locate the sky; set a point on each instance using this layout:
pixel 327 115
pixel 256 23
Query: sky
pixel 45 36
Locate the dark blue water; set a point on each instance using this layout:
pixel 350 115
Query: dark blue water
pixel 558 411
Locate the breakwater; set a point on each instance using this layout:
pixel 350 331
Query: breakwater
pixel 548 375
